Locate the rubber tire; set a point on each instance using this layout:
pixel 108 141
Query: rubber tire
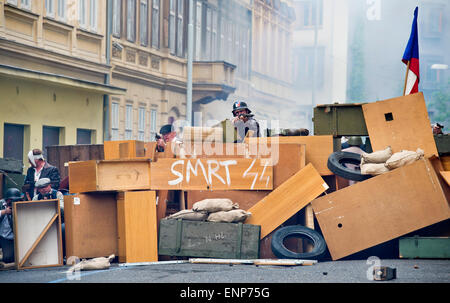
pixel 282 252
pixel 336 163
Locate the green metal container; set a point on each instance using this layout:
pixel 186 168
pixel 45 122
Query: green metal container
pixel 208 239
pixel 443 144
pixel 424 247
pixel 339 120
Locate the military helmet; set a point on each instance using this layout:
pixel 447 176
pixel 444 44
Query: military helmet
pixel 238 105
pixel 14 194
pixel 354 140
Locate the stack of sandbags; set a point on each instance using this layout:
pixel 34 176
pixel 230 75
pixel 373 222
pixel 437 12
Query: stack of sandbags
pixel 382 161
pixel 213 210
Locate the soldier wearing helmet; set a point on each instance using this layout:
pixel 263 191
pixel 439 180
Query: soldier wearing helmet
pixel 6 229
pixel 243 120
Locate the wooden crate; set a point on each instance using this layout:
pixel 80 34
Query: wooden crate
pixel 124 149
pixel 37 234
pixel 209 239
pixel 109 175
pixel 59 156
pixel 424 247
pixel 137 226
pixel 91 225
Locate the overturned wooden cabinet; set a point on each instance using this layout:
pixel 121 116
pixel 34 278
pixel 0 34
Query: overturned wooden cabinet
pixel 137 226
pixel 91 225
pixel 109 175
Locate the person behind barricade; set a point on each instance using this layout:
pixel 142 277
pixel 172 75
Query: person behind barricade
pixel 243 121
pixel 39 169
pixel 437 129
pixel 168 134
pixel 6 224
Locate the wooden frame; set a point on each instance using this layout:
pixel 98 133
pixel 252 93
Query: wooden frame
pixel 37 232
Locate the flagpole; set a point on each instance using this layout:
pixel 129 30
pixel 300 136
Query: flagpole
pixel 406 77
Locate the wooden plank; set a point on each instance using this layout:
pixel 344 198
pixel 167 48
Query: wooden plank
pixel 445 160
pixel 446 176
pixel 381 208
pixel 287 199
pixel 211 174
pixel 138 237
pixel 38 241
pixel 318 149
pixel 90 225
pixel 395 121
pixel 161 207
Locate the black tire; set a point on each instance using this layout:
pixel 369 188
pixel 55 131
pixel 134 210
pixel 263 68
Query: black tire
pixel 336 163
pixel 282 252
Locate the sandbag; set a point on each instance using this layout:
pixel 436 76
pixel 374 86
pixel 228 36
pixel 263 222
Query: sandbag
pixel 214 205
pixel 379 156
pixel 231 216
pixel 373 169
pixel 403 158
pixel 93 264
pixel 189 214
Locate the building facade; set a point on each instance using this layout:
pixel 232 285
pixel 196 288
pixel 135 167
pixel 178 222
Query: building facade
pixel 52 70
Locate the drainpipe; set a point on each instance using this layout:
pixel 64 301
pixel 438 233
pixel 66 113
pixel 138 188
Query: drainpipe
pixel 189 63
pixel 106 135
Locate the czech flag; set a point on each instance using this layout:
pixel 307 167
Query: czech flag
pixel 411 56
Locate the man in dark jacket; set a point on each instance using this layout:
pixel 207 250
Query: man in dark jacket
pixel 6 226
pixel 39 169
pixel 243 120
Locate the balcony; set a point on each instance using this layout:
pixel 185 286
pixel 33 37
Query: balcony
pixel 212 80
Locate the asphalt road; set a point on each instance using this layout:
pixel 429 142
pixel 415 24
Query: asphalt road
pixel 353 271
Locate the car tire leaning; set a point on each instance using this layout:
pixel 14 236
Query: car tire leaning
pixel 336 163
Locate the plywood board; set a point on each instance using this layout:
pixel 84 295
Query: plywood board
pixel 123 149
pixel 446 176
pixel 381 208
pixel 90 225
pixel 445 160
pixel 318 149
pixel 37 232
pixel 287 199
pixel 211 174
pixel 401 123
pixel 137 228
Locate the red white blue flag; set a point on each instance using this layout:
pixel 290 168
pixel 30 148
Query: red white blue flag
pixel 411 55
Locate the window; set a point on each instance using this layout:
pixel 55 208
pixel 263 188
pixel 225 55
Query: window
pixel 180 31
pixel 50 137
pixel 305 67
pixel 117 14
pixel 84 136
pixel 152 124
pixel 13 135
pixel 308 13
pixel 141 129
pixel 114 121
pixel 62 9
pixel 172 31
pixel 214 35
pixel 83 13
pixel 128 121
pixel 131 20
pixel 198 30
pixel 143 25
pixel 14 2
pixel 207 55
pixel 49 8
pixel 155 24
pixel 26 4
pixel 93 15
